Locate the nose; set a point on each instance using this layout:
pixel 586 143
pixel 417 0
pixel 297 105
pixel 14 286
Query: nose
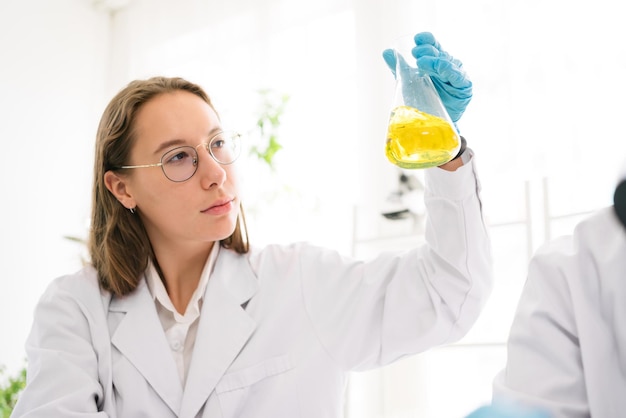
pixel 211 172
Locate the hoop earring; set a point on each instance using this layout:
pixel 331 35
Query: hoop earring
pixel 132 210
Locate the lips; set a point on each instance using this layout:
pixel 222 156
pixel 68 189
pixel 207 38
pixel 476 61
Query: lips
pixel 220 207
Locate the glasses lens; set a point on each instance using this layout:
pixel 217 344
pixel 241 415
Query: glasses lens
pixel 226 147
pixel 180 163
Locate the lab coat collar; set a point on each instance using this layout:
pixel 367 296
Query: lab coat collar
pixel 140 338
pixel 223 330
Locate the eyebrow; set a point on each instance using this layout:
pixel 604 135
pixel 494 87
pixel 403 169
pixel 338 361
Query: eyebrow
pixel 179 142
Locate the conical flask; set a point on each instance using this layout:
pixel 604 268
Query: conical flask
pixel 420 133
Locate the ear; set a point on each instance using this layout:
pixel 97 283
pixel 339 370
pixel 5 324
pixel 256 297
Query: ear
pixel 118 187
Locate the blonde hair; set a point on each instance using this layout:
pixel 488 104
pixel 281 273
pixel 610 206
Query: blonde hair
pixel 118 244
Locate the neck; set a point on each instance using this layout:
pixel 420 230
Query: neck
pixel 181 270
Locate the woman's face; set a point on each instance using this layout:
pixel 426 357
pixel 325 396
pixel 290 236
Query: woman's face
pixel 201 209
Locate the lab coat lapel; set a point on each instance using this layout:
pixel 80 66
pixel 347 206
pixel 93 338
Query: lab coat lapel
pixel 224 328
pixel 140 338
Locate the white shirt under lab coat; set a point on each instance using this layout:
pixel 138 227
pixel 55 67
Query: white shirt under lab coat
pixel 567 344
pixel 280 327
pixel 180 330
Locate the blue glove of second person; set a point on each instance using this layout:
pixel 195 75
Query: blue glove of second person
pixel 505 411
pixel 446 72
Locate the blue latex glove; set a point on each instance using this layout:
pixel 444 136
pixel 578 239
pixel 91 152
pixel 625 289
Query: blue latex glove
pixel 446 72
pixel 502 411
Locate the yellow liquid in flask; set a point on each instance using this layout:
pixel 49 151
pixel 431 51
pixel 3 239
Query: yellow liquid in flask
pixel 419 140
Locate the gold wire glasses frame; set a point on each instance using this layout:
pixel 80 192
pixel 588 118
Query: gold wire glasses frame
pixel 181 163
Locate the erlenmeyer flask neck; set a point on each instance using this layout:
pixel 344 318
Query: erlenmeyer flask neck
pixel 417 90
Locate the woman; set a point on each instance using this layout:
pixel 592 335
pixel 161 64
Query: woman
pixel 567 344
pixel 178 317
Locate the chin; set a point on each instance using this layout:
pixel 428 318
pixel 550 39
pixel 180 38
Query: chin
pixel 226 229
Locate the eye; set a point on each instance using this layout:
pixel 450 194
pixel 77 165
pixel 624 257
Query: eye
pixel 177 156
pixel 218 143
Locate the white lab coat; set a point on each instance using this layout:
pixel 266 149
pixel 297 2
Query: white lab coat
pixel 567 344
pixel 279 329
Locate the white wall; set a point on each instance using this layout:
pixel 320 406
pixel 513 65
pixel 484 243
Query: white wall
pixel 52 77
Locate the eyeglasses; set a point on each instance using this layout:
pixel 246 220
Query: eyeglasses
pixel 181 163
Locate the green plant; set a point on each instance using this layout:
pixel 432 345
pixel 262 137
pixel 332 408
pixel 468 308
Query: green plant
pixel 83 242
pixel 10 390
pixel 272 108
